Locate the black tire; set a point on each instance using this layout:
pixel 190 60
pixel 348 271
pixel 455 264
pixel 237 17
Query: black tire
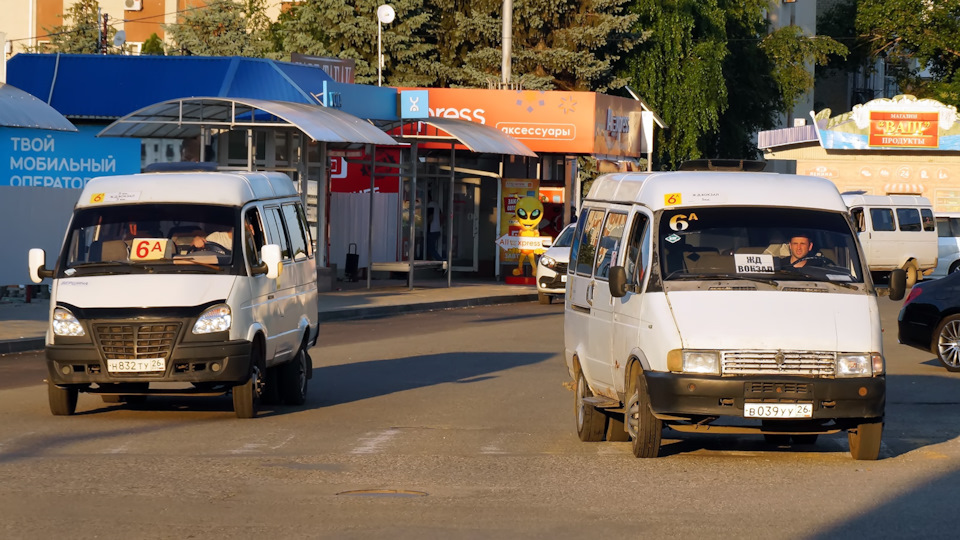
pixel 616 430
pixel 954 267
pixel 246 396
pixel 591 423
pixel 63 399
pixel 864 441
pixel 645 429
pixel 947 343
pixel 544 298
pixel 293 379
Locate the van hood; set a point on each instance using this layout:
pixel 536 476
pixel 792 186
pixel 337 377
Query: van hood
pixel 143 290
pixel 772 320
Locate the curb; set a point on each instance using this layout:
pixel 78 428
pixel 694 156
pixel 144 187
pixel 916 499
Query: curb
pixel 22 345
pixel 387 311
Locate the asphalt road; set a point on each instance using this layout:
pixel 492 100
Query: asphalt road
pixel 458 424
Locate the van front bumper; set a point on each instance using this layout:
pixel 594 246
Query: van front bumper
pixel 699 395
pixel 194 362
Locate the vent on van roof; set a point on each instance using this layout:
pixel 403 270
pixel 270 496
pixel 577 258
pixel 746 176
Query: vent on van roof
pixel 746 165
pixel 182 166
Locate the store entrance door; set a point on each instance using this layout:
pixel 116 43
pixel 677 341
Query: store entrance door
pixel 466 225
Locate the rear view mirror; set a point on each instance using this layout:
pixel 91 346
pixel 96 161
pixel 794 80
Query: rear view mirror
pixel 898 284
pixel 618 281
pixel 36 259
pixel 270 254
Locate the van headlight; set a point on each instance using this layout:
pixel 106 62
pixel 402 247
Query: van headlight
pixel 859 365
pixel 215 319
pixel 65 324
pixel 707 362
pixel 548 261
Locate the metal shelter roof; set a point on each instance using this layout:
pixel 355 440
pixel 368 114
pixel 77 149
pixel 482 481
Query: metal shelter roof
pixel 185 117
pixel 20 109
pixel 476 137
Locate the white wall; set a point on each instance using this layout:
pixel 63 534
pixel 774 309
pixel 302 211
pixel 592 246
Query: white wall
pixel 349 223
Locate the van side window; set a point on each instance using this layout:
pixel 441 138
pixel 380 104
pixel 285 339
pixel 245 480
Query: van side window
pixel 637 250
pixel 856 215
pixel 305 226
pixel 882 219
pixel 926 215
pixel 909 219
pixel 298 240
pixel 253 236
pixel 588 242
pixel 275 230
pixel 609 246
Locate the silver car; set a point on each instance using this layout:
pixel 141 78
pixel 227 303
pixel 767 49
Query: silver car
pixel 552 267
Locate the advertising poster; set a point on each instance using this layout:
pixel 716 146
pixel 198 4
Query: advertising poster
pixel 513 190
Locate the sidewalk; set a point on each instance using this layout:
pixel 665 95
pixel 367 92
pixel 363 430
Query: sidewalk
pixel 23 326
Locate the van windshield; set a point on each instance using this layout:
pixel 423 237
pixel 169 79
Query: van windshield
pixel 758 243
pixel 155 238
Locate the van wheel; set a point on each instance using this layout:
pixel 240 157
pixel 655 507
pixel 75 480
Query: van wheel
pixel 271 386
pixel 912 275
pixel 63 399
pixel 293 379
pixel 591 423
pixel 954 267
pixel 864 441
pixel 643 426
pixel 947 345
pixel 544 298
pixel 246 396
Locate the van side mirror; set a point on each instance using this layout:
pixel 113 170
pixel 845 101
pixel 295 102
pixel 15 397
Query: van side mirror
pixel 618 281
pixel 36 259
pixel 270 254
pixel 898 284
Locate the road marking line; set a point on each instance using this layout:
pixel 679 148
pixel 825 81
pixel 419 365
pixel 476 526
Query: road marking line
pixel 372 445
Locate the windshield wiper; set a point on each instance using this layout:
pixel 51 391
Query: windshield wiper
pixel 680 276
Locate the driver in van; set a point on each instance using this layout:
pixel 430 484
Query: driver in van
pixel 802 254
pixel 222 238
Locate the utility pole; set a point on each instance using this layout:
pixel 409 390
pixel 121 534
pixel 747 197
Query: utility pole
pixel 103 36
pixel 507 40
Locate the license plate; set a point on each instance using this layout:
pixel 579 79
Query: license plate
pixel 140 365
pixel 563 278
pixel 777 410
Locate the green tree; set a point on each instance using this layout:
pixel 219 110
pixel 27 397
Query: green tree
pixel 80 31
pixel 791 52
pixel 222 28
pixel 153 46
pixel 920 39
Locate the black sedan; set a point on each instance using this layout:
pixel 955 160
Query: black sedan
pixel 930 319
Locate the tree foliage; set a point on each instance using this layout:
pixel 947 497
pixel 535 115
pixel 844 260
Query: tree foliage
pixel 222 28
pixel 920 39
pixel 80 32
pixel 791 52
pixel 557 44
pixel 153 46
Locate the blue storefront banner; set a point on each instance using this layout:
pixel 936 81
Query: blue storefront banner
pixel 58 159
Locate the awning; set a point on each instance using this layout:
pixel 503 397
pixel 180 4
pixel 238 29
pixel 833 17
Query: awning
pixel 903 188
pixel 183 118
pixel 21 110
pixel 476 137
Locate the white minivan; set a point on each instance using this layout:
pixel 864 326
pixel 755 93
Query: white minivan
pixel 896 231
pixel 699 297
pixel 203 279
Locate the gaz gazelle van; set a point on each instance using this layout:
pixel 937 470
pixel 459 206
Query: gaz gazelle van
pixel 686 309
pixel 203 280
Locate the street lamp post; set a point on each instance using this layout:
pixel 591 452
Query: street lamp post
pixel 385 15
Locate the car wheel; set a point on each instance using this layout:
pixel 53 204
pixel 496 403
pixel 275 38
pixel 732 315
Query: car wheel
pixel 865 441
pixel 954 267
pixel 591 423
pixel 63 399
pixel 948 343
pixel 912 275
pixel 293 379
pixel 645 429
pixel 246 396
pixel 544 298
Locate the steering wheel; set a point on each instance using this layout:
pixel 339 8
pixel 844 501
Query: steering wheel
pixel 216 248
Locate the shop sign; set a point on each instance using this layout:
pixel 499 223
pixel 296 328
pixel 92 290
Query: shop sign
pixel 904 129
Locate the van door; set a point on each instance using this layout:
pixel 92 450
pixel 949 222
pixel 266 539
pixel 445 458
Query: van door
pixel 263 290
pixel 626 309
pixel 882 244
pixel 281 326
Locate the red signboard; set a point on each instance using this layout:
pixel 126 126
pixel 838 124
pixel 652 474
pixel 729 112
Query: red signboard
pixel 904 129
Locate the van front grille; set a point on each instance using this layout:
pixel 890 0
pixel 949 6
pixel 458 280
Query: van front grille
pixel 816 363
pixel 129 342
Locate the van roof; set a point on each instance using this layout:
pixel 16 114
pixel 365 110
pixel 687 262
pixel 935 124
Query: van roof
pixel 711 188
pixel 227 188
pixel 859 199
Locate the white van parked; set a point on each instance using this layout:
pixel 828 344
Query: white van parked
pixel 700 296
pixel 206 279
pixel 948 244
pixel 896 231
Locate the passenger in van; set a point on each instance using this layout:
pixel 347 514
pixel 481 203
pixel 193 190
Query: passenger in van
pixel 802 254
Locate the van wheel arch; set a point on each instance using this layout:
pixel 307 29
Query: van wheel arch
pixel 913 272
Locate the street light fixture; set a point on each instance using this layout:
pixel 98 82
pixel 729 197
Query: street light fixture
pixel 385 15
